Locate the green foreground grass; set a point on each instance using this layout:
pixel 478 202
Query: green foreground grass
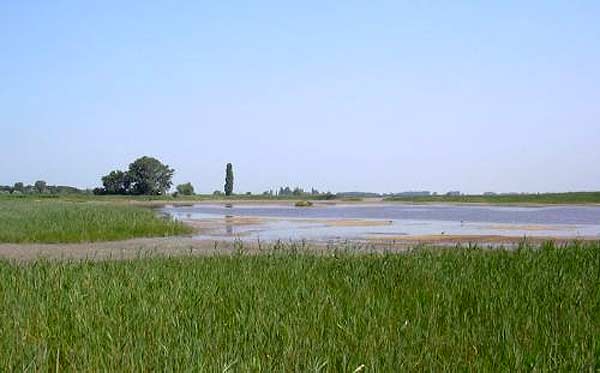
pixel 450 309
pixel 60 221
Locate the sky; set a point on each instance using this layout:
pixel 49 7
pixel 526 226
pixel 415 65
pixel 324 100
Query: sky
pixel 382 96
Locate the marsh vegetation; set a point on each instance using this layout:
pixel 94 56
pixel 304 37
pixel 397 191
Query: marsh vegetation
pixel 49 220
pixel 460 309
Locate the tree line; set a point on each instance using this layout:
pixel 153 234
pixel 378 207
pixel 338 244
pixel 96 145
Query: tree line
pixel 40 187
pixel 296 192
pixel 149 176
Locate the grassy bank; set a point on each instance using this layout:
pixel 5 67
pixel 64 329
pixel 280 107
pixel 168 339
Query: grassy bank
pixel 543 198
pixel 437 310
pixel 48 220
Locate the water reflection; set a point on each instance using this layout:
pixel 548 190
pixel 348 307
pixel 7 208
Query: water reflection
pixel 229 225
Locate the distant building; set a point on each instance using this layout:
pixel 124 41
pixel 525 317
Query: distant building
pixel 489 194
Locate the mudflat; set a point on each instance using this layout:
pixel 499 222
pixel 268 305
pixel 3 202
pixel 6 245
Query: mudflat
pixel 188 246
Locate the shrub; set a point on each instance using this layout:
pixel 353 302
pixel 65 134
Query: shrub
pixel 186 189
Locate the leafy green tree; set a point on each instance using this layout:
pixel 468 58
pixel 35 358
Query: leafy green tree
pixel 19 187
pixel 149 176
pixel 40 186
pixel 186 189
pixel 229 179
pixel 116 182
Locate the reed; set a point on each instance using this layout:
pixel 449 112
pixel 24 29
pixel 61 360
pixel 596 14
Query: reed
pixel 534 308
pixel 59 221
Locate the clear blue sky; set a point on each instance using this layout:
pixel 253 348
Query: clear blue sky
pixel 348 95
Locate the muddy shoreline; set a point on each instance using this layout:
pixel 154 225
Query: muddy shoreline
pixel 188 246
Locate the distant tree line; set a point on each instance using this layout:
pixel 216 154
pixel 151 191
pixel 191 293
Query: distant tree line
pixel 40 187
pixel 286 191
pixel 149 176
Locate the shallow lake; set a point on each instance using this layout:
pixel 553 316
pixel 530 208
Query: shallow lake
pixel 370 221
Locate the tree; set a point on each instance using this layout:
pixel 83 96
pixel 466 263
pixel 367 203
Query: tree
pixel 116 182
pixel 285 191
pixel 40 186
pixel 229 179
pixel 186 189
pixel 149 176
pixel 19 187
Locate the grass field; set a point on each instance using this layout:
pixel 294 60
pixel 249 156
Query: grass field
pixel 543 198
pixel 427 310
pixel 59 221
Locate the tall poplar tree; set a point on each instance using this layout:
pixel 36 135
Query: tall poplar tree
pixel 229 179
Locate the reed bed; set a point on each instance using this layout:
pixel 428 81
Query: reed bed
pixel 57 221
pixel 456 309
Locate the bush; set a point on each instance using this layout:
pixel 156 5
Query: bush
pixel 186 189
pixel 99 191
pixel 304 204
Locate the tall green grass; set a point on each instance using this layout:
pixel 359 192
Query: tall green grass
pixel 427 310
pixel 58 221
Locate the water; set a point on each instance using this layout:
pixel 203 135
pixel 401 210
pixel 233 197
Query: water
pixel 370 221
